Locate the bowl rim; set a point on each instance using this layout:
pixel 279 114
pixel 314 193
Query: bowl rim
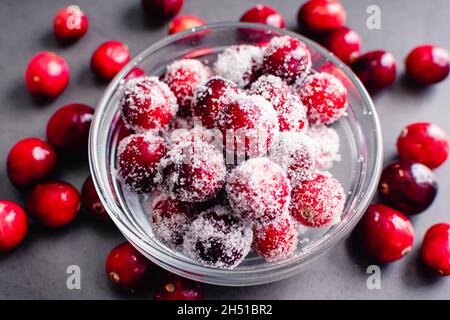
pixel 183 267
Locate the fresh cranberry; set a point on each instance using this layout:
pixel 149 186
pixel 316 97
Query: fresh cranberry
pixel 53 204
pixel 319 16
pixel 428 64
pixel 185 22
pixel 13 225
pixel 135 73
pixel 70 23
pixel 173 287
pixel 47 75
pixel 91 201
pixel 30 161
pixel 376 69
pixel 344 43
pixel 265 15
pixel 126 267
pixel 68 128
pixel 385 233
pixel 436 248
pixel 162 9
pixel 425 143
pixel 108 59
pixel 408 187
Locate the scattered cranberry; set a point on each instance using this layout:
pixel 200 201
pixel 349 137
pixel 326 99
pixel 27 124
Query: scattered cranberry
pixel 173 287
pixel 47 75
pixel 436 248
pixel 13 225
pixel 68 128
pixel 344 43
pixel 30 161
pixel 70 24
pixel 185 22
pixel 319 16
pixel 408 187
pixel 425 143
pixel 265 15
pixel 108 59
pixel 385 233
pixel 376 69
pixel 126 267
pixel 91 201
pixel 428 64
pixel 53 204
pixel 135 73
pixel 162 9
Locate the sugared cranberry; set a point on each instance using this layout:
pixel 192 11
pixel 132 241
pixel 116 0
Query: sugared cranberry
pixel 198 133
pixel 425 143
pixel 211 98
pixel 318 202
pixel 291 112
pixel 408 187
pixel 327 144
pixel 428 64
pixel 108 59
pixel 68 128
pixel 287 58
pixel 265 15
pixel 162 9
pixel 126 267
pixel 53 204
pixel 13 225
pixel 70 23
pixel 436 248
pixel 258 190
pixel 183 77
pixel 218 239
pixel 47 75
pixel 185 22
pixel 385 233
pixel 135 73
pixel 173 287
pixel 139 156
pixel 324 96
pixel 319 16
pixel 30 161
pixel 344 43
pixel 91 201
pixel 376 69
pixel 147 104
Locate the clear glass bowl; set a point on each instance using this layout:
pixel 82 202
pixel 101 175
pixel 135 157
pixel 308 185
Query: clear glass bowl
pixel 358 170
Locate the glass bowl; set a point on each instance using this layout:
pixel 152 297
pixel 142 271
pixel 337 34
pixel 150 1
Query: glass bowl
pixel 358 170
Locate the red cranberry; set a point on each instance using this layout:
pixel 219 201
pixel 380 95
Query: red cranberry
pixel 126 267
pixel 436 248
pixel 425 143
pixel 47 75
pixel 135 73
pixel 385 233
pixel 108 59
pixel 319 16
pixel 185 22
pixel 173 287
pixel 408 187
pixel 344 43
pixel 13 225
pixel 162 9
pixel 30 161
pixel 376 69
pixel 68 128
pixel 70 23
pixel 428 64
pixel 91 201
pixel 265 15
pixel 53 204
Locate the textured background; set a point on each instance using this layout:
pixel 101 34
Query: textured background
pixel 36 270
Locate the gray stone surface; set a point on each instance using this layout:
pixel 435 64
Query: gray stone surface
pixel 36 270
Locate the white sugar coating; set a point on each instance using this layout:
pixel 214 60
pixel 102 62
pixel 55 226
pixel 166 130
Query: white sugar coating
pixel 181 123
pixel 258 190
pixel 295 153
pixel 212 136
pixel 327 146
pixel 238 63
pixel 221 242
pixel 144 98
